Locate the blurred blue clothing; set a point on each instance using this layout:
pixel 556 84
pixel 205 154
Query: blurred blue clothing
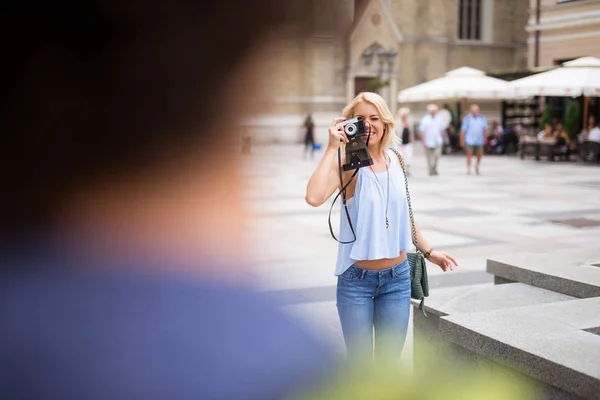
pixel 474 128
pixel 72 332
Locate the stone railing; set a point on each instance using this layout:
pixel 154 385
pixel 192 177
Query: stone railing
pixel 540 320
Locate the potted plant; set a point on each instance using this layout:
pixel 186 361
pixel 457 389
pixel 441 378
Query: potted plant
pixel 546 117
pixel 573 118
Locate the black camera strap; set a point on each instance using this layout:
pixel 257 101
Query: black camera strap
pixel 342 192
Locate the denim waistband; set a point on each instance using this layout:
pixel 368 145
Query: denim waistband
pixel 395 270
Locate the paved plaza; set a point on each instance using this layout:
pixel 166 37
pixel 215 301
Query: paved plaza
pixel 513 206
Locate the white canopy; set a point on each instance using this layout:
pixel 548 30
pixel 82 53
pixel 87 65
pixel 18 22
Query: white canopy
pixel 574 78
pixel 464 82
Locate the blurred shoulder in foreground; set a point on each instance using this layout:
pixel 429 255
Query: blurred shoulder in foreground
pixel 87 335
pixel 121 203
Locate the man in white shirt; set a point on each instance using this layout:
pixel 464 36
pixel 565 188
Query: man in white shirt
pixel 591 152
pixel 594 135
pixel 546 133
pixel 431 130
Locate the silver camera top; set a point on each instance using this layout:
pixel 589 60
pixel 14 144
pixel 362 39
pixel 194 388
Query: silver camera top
pixel 354 127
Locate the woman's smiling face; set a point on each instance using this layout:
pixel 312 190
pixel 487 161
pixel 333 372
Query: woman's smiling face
pixel 372 119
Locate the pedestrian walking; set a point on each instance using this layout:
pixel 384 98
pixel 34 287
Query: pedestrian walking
pixel 309 137
pixel 373 287
pixel 431 129
pixel 406 138
pixel 473 134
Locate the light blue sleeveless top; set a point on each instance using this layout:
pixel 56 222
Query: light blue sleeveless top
pixel 367 213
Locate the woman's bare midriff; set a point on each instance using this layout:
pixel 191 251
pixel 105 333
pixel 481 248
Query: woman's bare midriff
pixel 382 263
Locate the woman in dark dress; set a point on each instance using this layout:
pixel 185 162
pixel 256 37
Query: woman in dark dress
pixel 562 146
pixel 407 137
pixel 309 138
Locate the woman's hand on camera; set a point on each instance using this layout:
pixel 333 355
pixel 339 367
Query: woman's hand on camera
pixel 336 133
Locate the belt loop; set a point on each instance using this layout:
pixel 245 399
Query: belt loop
pixel 363 272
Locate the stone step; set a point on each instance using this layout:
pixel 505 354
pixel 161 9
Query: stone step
pixel 555 343
pixel 543 323
pixel 572 272
pixel 485 297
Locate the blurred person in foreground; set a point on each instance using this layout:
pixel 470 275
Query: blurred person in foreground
pixel 373 287
pixel 123 272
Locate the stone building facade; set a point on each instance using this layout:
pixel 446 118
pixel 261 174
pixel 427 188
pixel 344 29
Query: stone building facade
pixel 561 30
pixel 428 37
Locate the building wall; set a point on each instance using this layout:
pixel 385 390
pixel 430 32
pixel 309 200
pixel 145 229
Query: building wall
pixel 301 77
pixel 567 44
pixel 503 47
pixel 566 30
pixel 318 75
pixel 437 48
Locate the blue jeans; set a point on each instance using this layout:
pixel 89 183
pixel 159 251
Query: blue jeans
pixel 379 299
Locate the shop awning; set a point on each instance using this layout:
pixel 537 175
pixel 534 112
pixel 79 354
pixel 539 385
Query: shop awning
pixel 573 79
pixel 460 83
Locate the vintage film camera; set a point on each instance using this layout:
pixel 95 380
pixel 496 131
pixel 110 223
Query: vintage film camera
pixel 357 155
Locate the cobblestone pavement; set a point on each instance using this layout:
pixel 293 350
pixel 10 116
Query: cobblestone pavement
pixel 513 206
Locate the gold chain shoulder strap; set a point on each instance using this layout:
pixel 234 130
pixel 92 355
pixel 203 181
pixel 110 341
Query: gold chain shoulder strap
pixel 410 212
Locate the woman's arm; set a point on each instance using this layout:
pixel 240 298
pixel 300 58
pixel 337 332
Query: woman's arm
pixel 422 242
pixel 325 180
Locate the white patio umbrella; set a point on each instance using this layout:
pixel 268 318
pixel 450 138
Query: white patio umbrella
pixel 573 79
pixel 460 83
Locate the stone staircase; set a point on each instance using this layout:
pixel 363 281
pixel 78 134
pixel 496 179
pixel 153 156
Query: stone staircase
pixel 540 320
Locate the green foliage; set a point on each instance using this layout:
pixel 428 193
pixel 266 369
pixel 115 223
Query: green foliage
pixel 437 375
pixel 546 117
pixel 377 83
pixel 455 122
pixel 573 118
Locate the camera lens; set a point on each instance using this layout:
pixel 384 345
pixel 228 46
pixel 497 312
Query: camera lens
pixel 350 129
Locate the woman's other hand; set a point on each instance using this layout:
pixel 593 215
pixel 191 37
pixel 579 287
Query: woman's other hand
pixel 444 260
pixel 336 133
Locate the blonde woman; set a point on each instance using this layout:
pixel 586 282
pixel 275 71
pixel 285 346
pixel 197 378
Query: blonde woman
pixel 406 137
pixel 373 288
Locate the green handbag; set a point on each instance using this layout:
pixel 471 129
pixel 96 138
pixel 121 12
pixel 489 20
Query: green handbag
pixel 419 286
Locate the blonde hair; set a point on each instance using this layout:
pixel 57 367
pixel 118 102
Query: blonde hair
pixel 382 109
